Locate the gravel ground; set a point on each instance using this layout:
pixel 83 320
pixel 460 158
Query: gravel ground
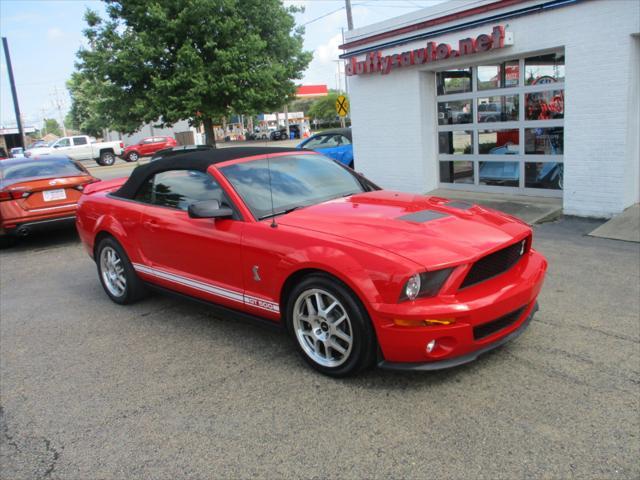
pixel 164 389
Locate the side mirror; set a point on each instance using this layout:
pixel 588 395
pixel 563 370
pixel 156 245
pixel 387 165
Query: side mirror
pixel 56 146
pixel 209 209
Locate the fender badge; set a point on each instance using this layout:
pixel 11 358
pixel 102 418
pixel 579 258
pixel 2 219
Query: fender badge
pixel 256 275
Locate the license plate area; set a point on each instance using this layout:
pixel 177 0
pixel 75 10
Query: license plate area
pixel 53 195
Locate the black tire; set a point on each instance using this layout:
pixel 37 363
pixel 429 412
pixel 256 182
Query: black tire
pixel 107 158
pixel 134 288
pixel 133 157
pixel 362 353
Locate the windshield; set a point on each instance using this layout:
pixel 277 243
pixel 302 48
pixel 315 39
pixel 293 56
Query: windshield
pixel 14 171
pixel 296 181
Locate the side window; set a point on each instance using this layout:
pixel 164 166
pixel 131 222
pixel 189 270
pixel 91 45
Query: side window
pixel 342 140
pixel 63 142
pixel 316 142
pixel 79 140
pixel 179 188
pixel 333 141
pixel 159 140
pixel 147 141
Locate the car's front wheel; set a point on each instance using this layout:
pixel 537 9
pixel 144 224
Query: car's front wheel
pixel 132 157
pixel 330 326
pixel 107 159
pixel 116 273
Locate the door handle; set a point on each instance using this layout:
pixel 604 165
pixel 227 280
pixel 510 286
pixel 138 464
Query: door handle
pixel 150 224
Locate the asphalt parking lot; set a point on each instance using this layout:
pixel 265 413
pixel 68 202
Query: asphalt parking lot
pixel 164 389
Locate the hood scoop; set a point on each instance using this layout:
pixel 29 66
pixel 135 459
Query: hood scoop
pixel 423 216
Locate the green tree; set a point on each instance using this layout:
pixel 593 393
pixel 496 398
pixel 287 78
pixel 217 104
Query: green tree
pixel 88 113
pixel 324 109
pixel 169 60
pixel 52 126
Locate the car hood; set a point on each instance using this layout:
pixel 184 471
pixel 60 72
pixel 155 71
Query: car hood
pixel 431 231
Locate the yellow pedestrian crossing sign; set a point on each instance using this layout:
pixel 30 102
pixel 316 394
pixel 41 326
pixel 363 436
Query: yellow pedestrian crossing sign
pixel 342 106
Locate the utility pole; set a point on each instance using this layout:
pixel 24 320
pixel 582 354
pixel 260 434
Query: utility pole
pixel 44 122
pixel 349 17
pixel 14 94
pixel 58 104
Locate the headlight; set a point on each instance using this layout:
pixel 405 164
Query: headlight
pixel 426 284
pixel 412 288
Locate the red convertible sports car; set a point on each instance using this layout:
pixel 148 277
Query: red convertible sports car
pixel 357 275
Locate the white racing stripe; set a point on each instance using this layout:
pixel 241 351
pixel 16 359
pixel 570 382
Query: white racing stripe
pixel 209 288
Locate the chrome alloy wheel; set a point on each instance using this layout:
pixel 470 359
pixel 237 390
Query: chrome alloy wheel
pixel 322 327
pixel 112 271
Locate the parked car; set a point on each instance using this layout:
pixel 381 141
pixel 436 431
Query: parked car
pixel 355 274
pixel 36 147
pixel 264 133
pixel 334 144
pixel 146 147
pixel 17 152
pixel 82 147
pixel 281 134
pixel 39 192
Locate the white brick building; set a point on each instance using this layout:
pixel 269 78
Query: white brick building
pixel 534 97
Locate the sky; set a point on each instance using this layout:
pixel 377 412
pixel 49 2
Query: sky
pixel 44 36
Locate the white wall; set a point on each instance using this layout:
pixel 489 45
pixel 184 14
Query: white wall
pixel 150 131
pixel 393 135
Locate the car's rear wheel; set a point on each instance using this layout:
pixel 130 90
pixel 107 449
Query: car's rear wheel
pixel 132 157
pixel 116 273
pixel 330 326
pixel 107 159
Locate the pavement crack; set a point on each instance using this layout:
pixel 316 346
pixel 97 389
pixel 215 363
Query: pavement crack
pixel 56 455
pixel 5 431
pixel 590 329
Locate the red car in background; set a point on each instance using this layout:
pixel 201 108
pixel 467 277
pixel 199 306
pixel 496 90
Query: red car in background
pixel 357 275
pixel 147 147
pixel 38 193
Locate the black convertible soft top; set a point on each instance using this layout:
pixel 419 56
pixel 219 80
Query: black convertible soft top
pixel 195 160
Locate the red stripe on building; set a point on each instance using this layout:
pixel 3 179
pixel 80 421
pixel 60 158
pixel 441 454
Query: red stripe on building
pixel 430 23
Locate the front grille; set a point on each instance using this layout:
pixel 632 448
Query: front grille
pixel 495 264
pixel 489 328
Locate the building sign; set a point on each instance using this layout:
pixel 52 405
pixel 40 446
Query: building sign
pixel 376 62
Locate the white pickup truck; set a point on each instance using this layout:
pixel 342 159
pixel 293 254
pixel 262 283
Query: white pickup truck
pixel 82 147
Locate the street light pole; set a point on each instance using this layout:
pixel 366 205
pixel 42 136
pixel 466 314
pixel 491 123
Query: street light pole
pixel 349 16
pixel 14 94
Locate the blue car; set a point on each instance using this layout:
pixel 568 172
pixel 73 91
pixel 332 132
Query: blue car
pixel 334 144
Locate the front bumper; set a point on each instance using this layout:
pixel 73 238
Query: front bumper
pixel 457 361
pixel 481 317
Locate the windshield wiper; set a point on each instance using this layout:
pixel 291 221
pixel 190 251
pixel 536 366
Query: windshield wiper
pixel 283 212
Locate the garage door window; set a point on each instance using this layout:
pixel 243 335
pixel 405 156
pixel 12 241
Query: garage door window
pixel 513 108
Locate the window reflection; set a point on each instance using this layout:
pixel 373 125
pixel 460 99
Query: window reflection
pixel 543 175
pixel 544 105
pixel 456 172
pixel 506 174
pixel 544 69
pixel 498 76
pixel 455 143
pixel 544 141
pixel 498 109
pixel 499 142
pixel 452 113
pixel 454 81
